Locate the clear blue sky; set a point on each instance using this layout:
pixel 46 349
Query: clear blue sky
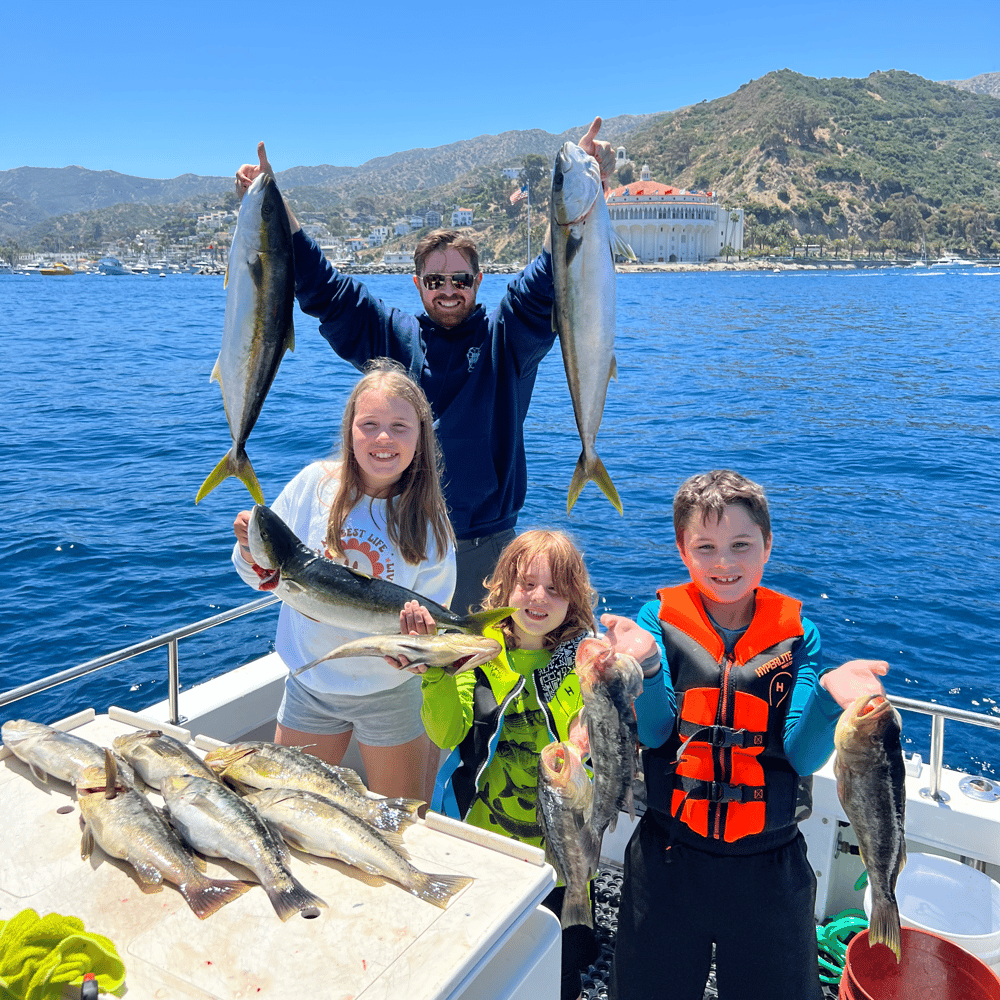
pixel 161 89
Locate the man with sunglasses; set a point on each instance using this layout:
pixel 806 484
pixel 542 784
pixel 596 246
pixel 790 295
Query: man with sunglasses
pixel 477 370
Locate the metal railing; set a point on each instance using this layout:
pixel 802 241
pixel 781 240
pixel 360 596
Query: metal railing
pixel 938 713
pixel 168 639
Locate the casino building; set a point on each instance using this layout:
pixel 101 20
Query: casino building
pixel 663 223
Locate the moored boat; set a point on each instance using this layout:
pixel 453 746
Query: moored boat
pixel 112 265
pixel 57 268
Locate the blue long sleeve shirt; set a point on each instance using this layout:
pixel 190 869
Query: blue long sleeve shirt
pixel 478 377
pixel 812 714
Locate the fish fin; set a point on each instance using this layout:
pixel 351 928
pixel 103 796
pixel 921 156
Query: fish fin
pixel 86 842
pixel 592 471
pixel 576 910
pixel 613 373
pixel 150 877
pixel 293 897
pixel 621 248
pixel 396 815
pixel 256 268
pixel 41 775
pixel 883 928
pixel 483 619
pixel 352 779
pixel 555 319
pixel 207 896
pixel 225 280
pixel 232 464
pixel 573 244
pixel 290 337
pixel 438 889
pixel 216 375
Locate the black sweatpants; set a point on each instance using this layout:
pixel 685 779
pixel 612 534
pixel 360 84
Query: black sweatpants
pixel 757 909
pixel 579 946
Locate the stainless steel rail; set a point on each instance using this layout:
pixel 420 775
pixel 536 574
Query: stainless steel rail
pixel 168 639
pixel 938 714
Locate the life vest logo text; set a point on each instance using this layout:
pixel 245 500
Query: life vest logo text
pixel 784 660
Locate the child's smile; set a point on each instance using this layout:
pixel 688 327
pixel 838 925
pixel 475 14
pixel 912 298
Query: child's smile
pixel 726 561
pixel 538 608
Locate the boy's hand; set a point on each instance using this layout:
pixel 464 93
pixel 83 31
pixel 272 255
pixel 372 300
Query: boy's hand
pixel 579 735
pixel 625 636
pixel 851 680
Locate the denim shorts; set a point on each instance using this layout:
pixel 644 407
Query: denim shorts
pixel 381 719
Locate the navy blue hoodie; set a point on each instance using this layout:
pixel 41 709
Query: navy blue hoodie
pixel 478 376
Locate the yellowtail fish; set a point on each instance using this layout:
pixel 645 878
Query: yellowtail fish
pixel 583 272
pixel 260 283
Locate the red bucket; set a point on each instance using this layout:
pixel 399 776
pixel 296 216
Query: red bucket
pixel 932 968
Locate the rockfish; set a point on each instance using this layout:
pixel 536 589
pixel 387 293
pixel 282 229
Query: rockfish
pixel 154 755
pixel 258 327
pixel 213 819
pixel 565 801
pixel 314 824
pixel 871 787
pixel 254 765
pixel 49 751
pixel 609 682
pixel 454 652
pixel 126 826
pixel 330 592
pixel 583 271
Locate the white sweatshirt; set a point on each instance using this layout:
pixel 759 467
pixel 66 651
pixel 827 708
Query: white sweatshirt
pixel 304 505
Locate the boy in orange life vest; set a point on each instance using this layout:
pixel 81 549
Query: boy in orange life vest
pixel 740 698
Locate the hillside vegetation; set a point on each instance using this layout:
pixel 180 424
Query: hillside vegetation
pixel 891 163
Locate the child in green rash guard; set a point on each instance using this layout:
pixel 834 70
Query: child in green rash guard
pixel 497 718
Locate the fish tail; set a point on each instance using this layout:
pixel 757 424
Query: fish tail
pixel 290 896
pixel 576 909
pixel 233 463
pixel 206 896
pixel 397 814
pixel 883 928
pixel 592 470
pixel 483 619
pixel 438 889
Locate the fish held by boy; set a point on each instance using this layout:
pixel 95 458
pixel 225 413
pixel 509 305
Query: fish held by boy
pixel 213 819
pixel 871 787
pixel 331 592
pixel 564 810
pixel 314 824
pixel 254 765
pixel 583 314
pixel 609 682
pixel 260 282
pixel 453 652
pixel 126 826
pixel 50 752
pixel 154 755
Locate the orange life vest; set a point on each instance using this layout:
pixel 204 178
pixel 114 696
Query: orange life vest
pixel 723 773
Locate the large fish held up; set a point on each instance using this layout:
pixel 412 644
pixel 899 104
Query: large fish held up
pixel 331 592
pixel 583 314
pixel 563 807
pixel 260 283
pixel 609 683
pixel 871 787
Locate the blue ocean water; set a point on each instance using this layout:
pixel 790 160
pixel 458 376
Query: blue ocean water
pixel 866 402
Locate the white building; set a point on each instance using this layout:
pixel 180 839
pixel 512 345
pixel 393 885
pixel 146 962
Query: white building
pixel 397 258
pixel 512 172
pixel 416 222
pixel 378 236
pixel 432 219
pixel 663 223
pixel 461 217
pixel 402 227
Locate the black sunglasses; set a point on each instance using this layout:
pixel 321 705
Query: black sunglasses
pixel 459 281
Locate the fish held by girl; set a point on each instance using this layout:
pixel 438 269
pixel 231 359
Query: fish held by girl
pixel 330 592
